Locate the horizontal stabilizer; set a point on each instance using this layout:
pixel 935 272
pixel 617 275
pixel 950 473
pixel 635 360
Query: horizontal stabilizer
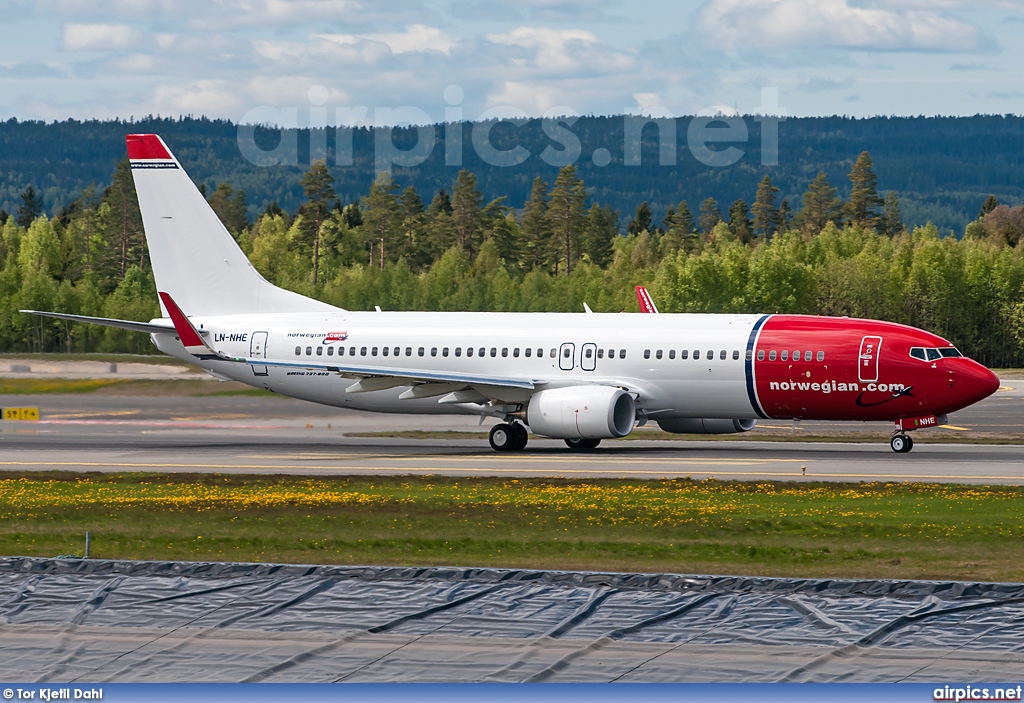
pixel 188 334
pixel 148 327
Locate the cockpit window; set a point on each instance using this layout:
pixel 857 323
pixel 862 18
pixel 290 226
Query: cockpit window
pixel 950 352
pixel 918 353
pixel 933 354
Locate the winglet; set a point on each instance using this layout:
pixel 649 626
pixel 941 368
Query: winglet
pixel 643 299
pixel 190 338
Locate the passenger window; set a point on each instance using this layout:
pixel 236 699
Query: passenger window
pixel 821 356
pixel 515 352
pixel 420 351
pixel 528 351
pixel 433 351
pixel 458 351
pixel 341 351
pixel 771 355
pixel 469 351
pixel 658 354
pixel 647 353
pixel 933 354
pixel 735 354
pixel 384 351
pixel 330 351
pixel 309 351
pixel 298 351
pixel 622 353
pixel 373 352
pixel 494 351
pixel 481 352
pixel 722 354
pixel 684 354
pixel 807 356
pixel 750 355
pixel 504 351
pixel 554 353
pixel 710 355
pixel 408 351
pixel 566 353
pixel 760 354
pixel 362 351
pixel 444 352
pixel 671 353
pixel 589 353
pixel 696 354
pixel 796 355
pixel 785 355
pixel 397 351
pixel 352 351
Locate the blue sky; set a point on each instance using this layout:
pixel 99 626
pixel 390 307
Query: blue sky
pixel 223 58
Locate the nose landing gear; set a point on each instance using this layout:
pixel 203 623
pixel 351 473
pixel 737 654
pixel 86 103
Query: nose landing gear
pixel 901 443
pixel 508 437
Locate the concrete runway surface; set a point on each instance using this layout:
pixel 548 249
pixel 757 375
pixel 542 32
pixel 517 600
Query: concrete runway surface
pixel 260 434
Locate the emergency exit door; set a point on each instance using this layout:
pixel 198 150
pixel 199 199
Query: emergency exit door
pixel 867 363
pixel 258 350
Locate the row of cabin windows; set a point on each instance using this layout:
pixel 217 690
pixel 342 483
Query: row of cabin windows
pixel 470 351
pixel 685 354
pixel 784 355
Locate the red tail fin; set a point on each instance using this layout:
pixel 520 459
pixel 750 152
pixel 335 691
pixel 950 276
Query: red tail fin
pixel 643 299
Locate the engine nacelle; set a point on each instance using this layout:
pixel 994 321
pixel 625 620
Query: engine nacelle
pixel 701 425
pixel 581 412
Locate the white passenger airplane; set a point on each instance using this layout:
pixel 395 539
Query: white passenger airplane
pixel 578 377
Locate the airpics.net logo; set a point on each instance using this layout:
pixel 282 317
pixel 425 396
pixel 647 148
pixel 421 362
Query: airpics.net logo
pixel 714 137
pixel 978 693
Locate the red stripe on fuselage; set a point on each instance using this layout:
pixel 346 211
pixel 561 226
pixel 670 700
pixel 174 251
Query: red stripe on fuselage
pixel 839 380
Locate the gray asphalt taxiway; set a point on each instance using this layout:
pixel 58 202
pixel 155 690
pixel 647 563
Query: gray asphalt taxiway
pixel 254 434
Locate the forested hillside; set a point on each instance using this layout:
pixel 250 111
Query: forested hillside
pixel 458 249
pixel 939 167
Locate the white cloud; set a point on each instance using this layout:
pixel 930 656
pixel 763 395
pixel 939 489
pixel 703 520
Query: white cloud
pixel 795 24
pixel 416 37
pixel 99 37
pixel 560 51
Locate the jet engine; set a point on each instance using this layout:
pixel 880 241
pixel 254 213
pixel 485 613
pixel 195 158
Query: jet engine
pixel 581 412
pixel 700 425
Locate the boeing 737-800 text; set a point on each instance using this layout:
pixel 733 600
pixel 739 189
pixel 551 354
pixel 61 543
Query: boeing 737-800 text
pixel 578 377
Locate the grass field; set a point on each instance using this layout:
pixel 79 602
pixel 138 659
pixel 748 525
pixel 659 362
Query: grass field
pixel 809 530
pixel 125 386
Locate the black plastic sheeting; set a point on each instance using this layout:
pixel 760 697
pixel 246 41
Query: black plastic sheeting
pixel 121 621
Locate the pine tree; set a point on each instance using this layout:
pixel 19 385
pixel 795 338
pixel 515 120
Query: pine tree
pixel 682 233
pixel 710 216
pixel 862 209
pixel 231 208
pixel 821 205
pixel 642 220
pixel 670 216
pixel 121 224
pixel 601 230
pixel 352 215
pixel 4 215
pixel 785 216
pixel 414 219
pixel 566 215
pixel 892 224
pixel 467 202
pixel 766 216
pixel 274 210
pixel 534 225
pixel 31 207
pixel 739 222
pixel 382 219
pixel 318 184
pixel 990 204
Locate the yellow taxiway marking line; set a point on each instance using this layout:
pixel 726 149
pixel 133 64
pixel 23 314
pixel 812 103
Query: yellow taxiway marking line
pixel 955 427
pixel 1003 389
pixel 542 472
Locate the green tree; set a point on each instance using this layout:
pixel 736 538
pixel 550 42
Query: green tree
pixel 601 230
pixel 31 207
pixel 120 238
pixel 892 222
pixel 318 185
pixel 739 222
pixel 821 205
pixel 988 206
pixel 862 208
pixel 231 208
pixel 710 216
pixel 785 216
pixel 765 214
pixel 467 203
pixel 566 214
pixel 534 224
pixel 642 220
pixel 382 216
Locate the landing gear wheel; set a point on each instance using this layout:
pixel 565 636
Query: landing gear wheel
pixel 901 443
pixel 503 437
pixel 522 437
pixel 582 443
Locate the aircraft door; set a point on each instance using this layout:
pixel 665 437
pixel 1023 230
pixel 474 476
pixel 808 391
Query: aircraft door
pixel 867 362
pixel 258 350
pixel 567 356
pixel 588 356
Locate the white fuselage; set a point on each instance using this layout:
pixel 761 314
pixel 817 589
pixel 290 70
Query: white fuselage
pixel 551 350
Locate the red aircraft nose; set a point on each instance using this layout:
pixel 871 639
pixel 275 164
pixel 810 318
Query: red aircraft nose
pixel 974 382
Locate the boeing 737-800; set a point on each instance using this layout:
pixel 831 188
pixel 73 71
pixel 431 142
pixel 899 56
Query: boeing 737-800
pixel 578 377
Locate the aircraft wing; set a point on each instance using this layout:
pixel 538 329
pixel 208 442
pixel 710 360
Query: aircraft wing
pixel 154 326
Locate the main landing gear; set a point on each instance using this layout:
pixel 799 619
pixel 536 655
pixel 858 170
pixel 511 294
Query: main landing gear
pixel 578 444
pixel 508 437
pixel 901 443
